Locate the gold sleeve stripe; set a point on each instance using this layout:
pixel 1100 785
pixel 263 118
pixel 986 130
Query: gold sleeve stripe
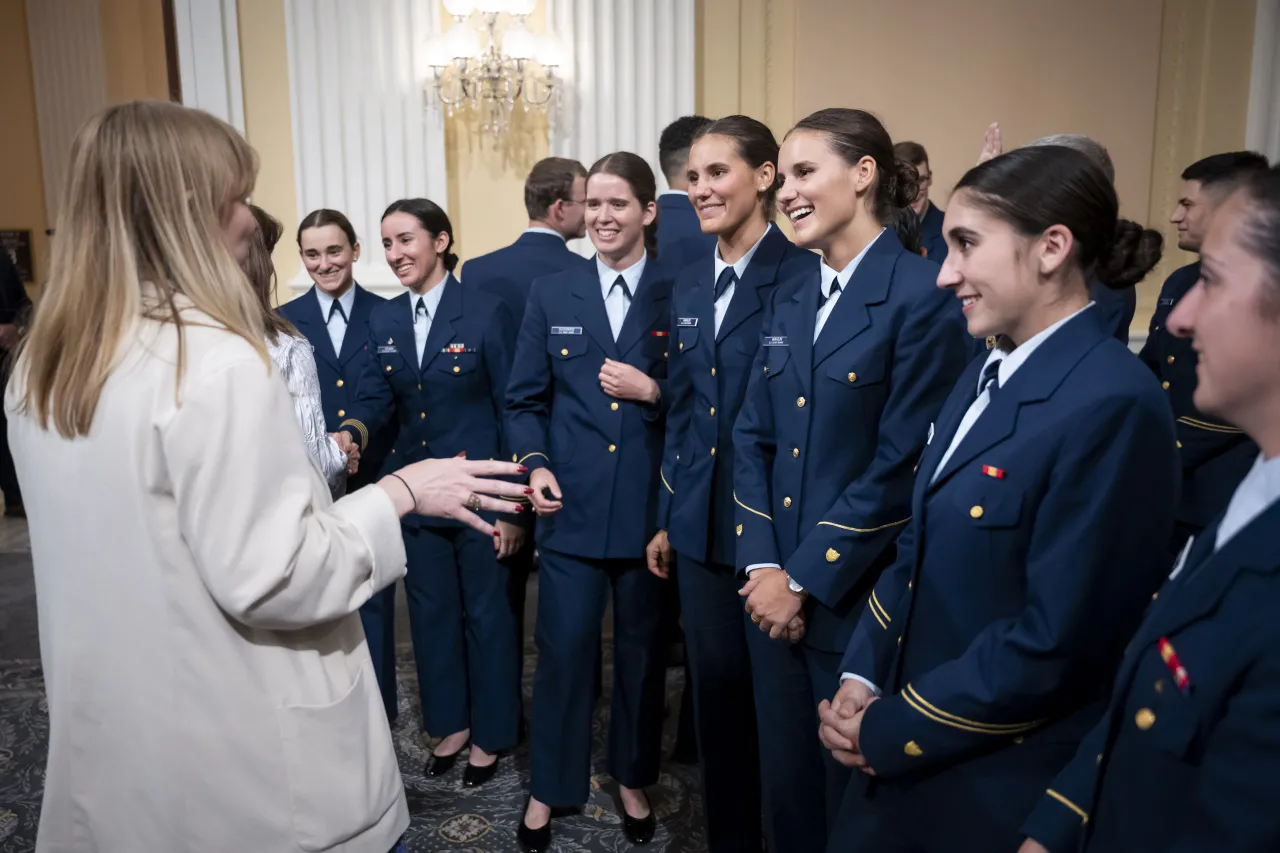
pixel 665 483
pixel 915 700
pixel 749 509
pixel 867 529
pixel 531 455
pixel 878 608
pixel 1205 425
pixel 361 428
pixel 878 619
pixel 1084 816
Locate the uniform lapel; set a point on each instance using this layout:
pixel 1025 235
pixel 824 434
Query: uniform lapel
pixel 945 427
pixel 1035 380
pixel 649 304
pixel 400 330
pixel 442 325
pixel 868 286
pixel 798 325
pixel 357 325
pixel 590 309
pixel 312 324
pixel 761 272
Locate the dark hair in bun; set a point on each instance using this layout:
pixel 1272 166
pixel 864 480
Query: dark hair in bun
pixel 854 134
pixel 433 220
pixel 1037 187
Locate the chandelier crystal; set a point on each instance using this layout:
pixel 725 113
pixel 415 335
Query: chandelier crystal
pixel 488 62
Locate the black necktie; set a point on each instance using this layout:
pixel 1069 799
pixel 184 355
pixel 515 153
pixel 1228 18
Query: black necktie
pixel 336 308
pixel 990 381
pixel 824 298
pixel 621 282
pixel 421 310
pixel 726 278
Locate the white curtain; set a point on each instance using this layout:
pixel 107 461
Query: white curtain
pixel 208 40
pixel 630 67
pixel 361 135
pixel 1263 131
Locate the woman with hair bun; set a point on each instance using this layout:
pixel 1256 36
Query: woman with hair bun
pixel 1038 522
pixel 855 360
pixel 441 355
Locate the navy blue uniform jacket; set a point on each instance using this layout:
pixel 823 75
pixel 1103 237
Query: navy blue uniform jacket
pixel 1025 569
pixel 454 402
pixel 1215 454
pixel 604 452
pixel 830 431
pixel 706 387
pixel 931 239
pixel 680 238
pixel 340 373
pixel 1187 772
pixel 509 272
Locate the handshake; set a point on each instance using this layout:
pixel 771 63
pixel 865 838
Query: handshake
pixel 350 448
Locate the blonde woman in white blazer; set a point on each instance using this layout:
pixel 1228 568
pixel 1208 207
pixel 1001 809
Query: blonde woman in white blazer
pixel 208 682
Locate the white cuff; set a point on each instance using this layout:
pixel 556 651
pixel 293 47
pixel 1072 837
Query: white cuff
pixel 751 568
pixel 845 676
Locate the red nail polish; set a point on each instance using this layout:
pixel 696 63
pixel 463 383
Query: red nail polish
pixel 496 533
pixel 519 509
pixel 523 470
pixel 528 491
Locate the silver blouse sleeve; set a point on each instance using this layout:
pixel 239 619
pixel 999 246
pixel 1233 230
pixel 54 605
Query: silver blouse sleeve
pixel 298 367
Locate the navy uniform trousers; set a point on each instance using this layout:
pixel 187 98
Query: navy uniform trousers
pixel 460 618
pixel 824 450
pixel 709 371
pixel 605 455
pixel 1027 563
pixel 339 374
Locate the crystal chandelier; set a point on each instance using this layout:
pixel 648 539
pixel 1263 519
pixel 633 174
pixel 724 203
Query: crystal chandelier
pixel 479 69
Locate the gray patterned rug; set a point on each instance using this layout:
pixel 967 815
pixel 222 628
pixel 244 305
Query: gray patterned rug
pixel 446 817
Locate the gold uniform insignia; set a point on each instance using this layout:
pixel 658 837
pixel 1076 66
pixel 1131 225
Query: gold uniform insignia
pixel 832 555
pixel 739 529
pixel 913 749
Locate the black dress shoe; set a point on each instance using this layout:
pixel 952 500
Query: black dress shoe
pixel 639 830
pixel 538 840
pixel 473 776
pixel 439 765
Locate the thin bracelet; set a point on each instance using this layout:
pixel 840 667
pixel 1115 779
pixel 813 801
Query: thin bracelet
pixel 412 496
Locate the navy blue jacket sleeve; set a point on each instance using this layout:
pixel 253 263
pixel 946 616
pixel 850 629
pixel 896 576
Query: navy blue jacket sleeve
pixel 375 403
pixel 1058 820
pixel 499 353
pixel 529 389
pixel 871 648
pixel 754 446
pixel 929 355
pixel 678 394
pixel 1090 573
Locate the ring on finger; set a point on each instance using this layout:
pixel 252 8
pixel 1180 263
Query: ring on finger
pixel 755 619
pixel 473 502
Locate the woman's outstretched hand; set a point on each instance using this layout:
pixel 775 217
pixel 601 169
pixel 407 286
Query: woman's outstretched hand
pixel 456 489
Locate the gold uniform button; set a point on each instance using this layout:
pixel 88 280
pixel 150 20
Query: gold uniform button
pixel 388 368
pixel 613 407
pixel 422 416
pixel 514 458
pixel 713 451
pixel 1179 443
pixel 832 555
pixel 800 402
pixel 786 502
pixel 1154 596
pixel 739 530
pixel 419 386
pixel 457 369
pixel 1098 760
pixel 713 411
pixel 1169 359
pixel 1144 719
pixel 1165 385
pixel 564 351
pixel 612 448
pixel 424 444
pixel 853 377
pixel 339 383
pixel 975 512
pixel 795 453
pixel 913 749
pixel 342 413
pixel 682 345
pixel 713 371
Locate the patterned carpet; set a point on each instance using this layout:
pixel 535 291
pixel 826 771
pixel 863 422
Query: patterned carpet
pixel 445 816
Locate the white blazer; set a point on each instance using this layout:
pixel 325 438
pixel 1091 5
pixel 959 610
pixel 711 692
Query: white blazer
pixel 208 682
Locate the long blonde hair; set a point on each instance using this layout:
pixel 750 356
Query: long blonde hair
pixel 149 188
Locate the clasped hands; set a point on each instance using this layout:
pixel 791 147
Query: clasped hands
pixel 773 606
pixel 840 723
pixel 348 446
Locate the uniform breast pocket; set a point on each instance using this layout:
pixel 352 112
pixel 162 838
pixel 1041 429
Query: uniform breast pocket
pixel 566 347
pixel 687 338
pixel 392 362
pixel 858 374
pixel 775 360
pixel 458 363
pixel 655 345
pixel 990 505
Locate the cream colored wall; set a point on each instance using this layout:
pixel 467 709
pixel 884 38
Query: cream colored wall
pixel 1160 82
pixel 22 202
pixel 134 49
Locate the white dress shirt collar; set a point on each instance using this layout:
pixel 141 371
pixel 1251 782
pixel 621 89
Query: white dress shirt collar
pixel 346 300
pixel 740 267
pixel 845 275
pixel 1257 491
pixel 431 298
pixel 631 275
pixel 1011 360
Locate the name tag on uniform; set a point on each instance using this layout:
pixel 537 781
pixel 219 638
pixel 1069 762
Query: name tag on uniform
pixel 775 341
pixel 1166 300
pixel 387 350
pixel 566 330
pixel 686 322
